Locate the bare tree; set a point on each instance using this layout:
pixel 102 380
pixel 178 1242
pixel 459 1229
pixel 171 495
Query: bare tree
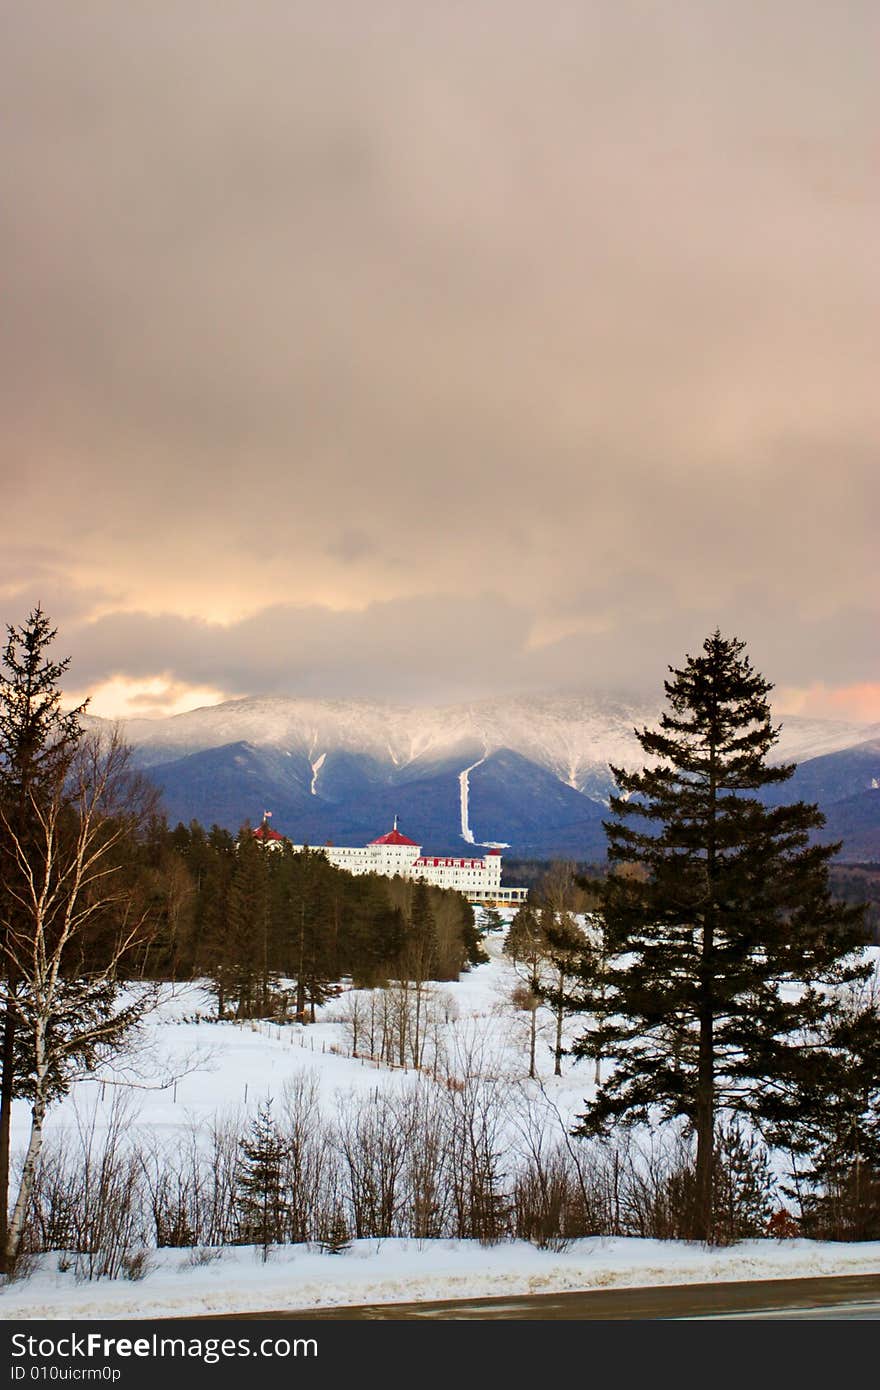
pixel 74 922
pixel 353 1014
pixel 475 1124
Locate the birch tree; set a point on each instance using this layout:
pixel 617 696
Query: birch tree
pixel 73 922
pixel 37 741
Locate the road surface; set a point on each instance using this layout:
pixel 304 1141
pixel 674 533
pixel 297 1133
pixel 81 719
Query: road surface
pixel 839 1297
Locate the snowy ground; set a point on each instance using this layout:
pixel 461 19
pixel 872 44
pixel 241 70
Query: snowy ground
pixel 406 1271
pixel 234 1067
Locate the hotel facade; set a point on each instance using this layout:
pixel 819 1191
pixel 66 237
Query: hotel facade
pixel 395 855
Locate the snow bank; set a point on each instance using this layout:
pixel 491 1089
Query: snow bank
pixel 298 1278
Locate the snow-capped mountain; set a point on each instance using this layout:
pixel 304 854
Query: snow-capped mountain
pixel 571 736
pixel 531 772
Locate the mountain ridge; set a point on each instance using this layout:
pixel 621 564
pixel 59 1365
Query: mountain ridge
pixel 531 773
pixel 568 734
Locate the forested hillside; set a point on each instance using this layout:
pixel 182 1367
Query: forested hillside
pixel 249 916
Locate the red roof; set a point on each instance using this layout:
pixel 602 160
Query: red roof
pixel 263 832
pixel 494 851
pixel 394 837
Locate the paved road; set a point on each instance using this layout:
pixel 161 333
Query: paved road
pixel 840 1297
pixel 839 1312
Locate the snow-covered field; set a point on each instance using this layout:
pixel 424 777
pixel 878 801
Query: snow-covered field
pixel 231 1067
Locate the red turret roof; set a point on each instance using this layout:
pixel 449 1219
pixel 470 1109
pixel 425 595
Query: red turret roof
pixel 394 837
pixel 263 832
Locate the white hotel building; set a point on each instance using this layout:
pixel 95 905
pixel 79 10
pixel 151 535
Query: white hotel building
pixel 393 854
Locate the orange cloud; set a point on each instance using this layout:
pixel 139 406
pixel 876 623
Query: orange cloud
pixel 123 698
pixel 859 702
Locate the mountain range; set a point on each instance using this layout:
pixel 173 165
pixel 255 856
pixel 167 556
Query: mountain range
pixel 530 774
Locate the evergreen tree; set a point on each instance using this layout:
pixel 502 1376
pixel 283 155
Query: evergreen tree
pixel 568 955
pixel 262 1200
pixel 744 1189
pixel 419 960
pixel 308 922
pixel 472 935
pixel 211 947
pixel 714 904
pixel 376 931
pixel 833 1133
pixel 491 921
pixel 335 1233
pixel 166 881
pixel 526 946
pixel 241 968
pixel 37 742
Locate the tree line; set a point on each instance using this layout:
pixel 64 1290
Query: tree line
pixel 857 883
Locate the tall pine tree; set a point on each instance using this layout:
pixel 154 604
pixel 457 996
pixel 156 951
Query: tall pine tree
pixel 241 969
pixel 720 925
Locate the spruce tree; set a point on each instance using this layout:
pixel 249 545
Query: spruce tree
pixel 472 935
pixel 213 949
pixel 309 920
pixel 241 969
pixel 526 947
pixel 419 961
pixel 491 921
pixel 832 1134
pixel 568 955
pixel 262 1199
pixel 719 922
pixel 37 741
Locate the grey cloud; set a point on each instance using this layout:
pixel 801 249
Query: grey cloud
pixel 442 648
pixel 406 647
pixel 35 574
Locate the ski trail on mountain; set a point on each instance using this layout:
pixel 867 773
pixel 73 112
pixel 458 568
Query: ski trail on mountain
pixel 316 768
pixel 466 832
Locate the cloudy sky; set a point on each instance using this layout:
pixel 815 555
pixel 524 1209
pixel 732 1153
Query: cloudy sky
pixel 438 348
